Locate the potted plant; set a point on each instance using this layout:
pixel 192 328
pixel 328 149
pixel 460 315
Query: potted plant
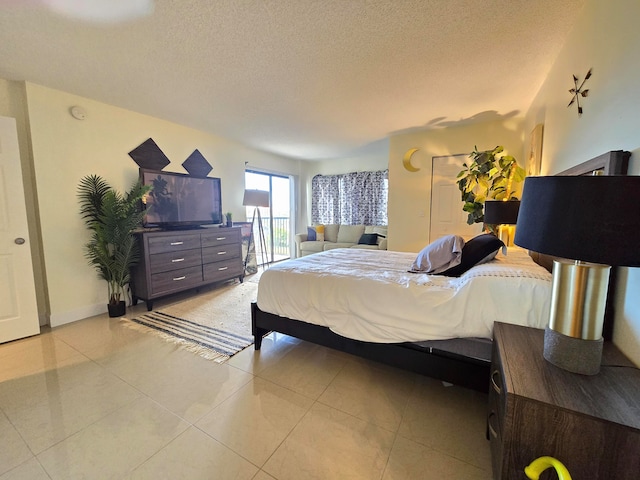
pixel 111 217
pixel 229 217
pixel 490 175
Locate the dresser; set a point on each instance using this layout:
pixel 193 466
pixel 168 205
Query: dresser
pixel 174 261
pixel 589 423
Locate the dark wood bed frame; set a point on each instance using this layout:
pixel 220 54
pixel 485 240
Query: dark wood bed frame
pixel 464 362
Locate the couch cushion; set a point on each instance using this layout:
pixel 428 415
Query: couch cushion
pixel 332 245
pixel 331 232
pixel 312 246
pixel 350 233
pixel 366 247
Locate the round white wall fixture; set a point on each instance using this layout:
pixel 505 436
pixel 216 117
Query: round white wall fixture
pixel 78 113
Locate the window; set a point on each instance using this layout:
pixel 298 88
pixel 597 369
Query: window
pixel 358 198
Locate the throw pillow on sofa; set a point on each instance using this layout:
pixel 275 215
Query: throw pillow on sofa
pixel 311 234
pixel 368 239
pixel 315 233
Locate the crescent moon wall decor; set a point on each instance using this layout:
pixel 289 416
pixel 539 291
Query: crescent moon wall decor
pixel 406 160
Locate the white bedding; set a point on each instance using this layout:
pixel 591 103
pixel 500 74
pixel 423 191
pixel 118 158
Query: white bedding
pixel 369 295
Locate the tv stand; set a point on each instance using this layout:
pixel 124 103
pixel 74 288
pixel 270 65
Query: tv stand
pixel 174 261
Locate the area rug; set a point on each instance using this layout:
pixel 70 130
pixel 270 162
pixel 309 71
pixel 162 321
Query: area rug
pixel 215 324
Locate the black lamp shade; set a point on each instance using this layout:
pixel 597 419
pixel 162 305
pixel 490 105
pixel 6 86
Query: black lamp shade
pixel 497 212
pixel 592 219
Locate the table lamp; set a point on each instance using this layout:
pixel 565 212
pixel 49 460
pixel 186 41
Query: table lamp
pixel 503 214
pixel 591 223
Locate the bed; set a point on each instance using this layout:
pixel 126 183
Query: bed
pixel 381 321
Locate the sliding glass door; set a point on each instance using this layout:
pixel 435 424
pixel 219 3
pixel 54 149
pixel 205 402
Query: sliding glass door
pixel 276 219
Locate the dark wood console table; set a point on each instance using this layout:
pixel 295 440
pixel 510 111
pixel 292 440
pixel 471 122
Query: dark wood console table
pixel 174 261
pixel 590 423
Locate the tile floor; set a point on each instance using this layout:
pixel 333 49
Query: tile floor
pixel 94 399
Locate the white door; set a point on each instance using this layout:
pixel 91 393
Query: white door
pixel 18 309
pixel 447 216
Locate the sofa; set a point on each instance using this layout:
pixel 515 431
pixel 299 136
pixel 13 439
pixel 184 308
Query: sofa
pixel 373 237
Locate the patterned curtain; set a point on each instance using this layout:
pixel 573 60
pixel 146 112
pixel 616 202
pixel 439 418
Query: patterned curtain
pixel 325 204
pixel 358 198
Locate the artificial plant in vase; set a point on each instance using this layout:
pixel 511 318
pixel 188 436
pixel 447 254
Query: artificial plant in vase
pixel 491 175
pixel 111 217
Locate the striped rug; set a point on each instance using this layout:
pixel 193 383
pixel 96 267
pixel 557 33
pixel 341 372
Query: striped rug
pixel 215 324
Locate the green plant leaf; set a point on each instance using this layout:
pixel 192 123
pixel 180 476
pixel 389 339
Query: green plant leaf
pixel 111 217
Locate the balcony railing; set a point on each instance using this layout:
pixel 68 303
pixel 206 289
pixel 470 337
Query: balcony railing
pixel 281 239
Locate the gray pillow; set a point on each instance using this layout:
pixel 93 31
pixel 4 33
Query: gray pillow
pixel 438 256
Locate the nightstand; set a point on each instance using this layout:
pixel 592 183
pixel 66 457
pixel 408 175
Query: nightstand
pixel 589 423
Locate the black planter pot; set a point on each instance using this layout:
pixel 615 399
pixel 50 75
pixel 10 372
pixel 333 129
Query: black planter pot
pixel 117 309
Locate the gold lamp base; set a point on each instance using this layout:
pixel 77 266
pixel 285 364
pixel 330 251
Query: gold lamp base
pixel 573 339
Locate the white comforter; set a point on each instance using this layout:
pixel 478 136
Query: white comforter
pixel 369 295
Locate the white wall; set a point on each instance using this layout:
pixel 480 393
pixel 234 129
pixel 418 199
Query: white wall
pixel 66 149
pixel 606 38
pixel 410 192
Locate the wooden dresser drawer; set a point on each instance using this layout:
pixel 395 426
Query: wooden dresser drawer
pixel 176 280
pixel 223 237
pixel 172 243
pixel 164 262
pixel 220 253
pixel 222 270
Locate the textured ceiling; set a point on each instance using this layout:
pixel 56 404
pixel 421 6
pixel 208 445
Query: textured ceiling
pixel 307 79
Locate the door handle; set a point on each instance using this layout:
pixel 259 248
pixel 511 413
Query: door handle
pixel 19 241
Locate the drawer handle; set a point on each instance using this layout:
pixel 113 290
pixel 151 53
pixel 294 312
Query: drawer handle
pixel 174 260
pixel 221 238
pixel 177 243
pixel 222 253
pixel 222 268
pixel 492 431
pixel 494 384
pixel 175 279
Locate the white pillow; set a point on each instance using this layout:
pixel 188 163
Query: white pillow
pixel 438 256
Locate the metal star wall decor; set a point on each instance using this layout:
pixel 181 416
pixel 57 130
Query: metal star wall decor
pixel 578 92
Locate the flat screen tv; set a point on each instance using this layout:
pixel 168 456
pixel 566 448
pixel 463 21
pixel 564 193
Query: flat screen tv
pixel 181 201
